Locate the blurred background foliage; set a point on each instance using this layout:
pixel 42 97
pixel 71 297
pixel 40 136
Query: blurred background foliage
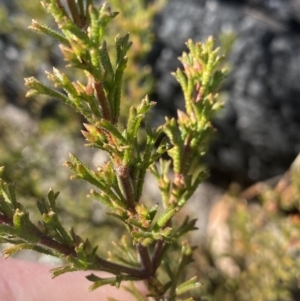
pixel 257 257
pixel 253 247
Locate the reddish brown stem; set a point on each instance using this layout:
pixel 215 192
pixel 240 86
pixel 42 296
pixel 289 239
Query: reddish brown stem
pixel 102 264
pixel 157 254
pixel 74 13
pixel 115 268
pixel 145 258
pixel 103 101
pixel 186 150
pixel 5 220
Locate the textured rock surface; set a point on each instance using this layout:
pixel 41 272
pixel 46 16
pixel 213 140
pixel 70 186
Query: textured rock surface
pixel 259 126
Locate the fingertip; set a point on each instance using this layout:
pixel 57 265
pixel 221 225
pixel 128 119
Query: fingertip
pixel 22 281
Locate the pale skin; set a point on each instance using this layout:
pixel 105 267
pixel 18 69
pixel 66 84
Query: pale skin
pixel 28 281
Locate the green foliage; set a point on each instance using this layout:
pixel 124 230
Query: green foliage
pixel 104 83
pixel 135 17
pixel 38 52
pixel 53 126
pixel 259 259
pixel 81 30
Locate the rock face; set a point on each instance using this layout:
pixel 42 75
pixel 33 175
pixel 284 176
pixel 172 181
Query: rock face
pixel 258 130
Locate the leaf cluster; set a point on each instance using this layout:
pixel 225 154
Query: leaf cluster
pixel 118 184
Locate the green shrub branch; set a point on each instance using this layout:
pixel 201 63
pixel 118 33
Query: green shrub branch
pixel 118 184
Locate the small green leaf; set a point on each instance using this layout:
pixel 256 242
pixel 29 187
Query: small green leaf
pixel 98 281
pixel 36 26
pixel 38 87
pixel 187 226
pixel 30 246
pixel 43 206
pixel 107 66
pixel 52 196
pixel 166 216
pixel 102 197
pixel 111 129
pixel 187 286
pixel 62 270
pixel 152 212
